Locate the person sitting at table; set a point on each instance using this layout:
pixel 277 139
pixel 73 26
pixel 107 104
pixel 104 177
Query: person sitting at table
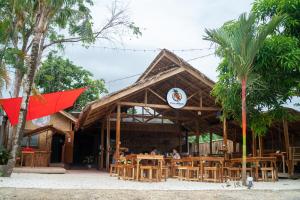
pixel 175 154
pixel 154 152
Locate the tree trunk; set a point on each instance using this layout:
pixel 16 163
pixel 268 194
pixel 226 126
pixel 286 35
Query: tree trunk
pixel 37 44
pixel 244 127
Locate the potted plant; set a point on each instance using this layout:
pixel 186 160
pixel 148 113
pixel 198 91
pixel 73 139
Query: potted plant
pixel 89 160
pixel 4 156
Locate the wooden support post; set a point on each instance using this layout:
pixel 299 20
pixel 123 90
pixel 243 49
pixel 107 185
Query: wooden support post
pixel 180 146
pixel 187 142
pixel 197 138
pixel 287 146
pixel 234 141
pixel 107 142
pixel 210 143
pixel 254 151
pixel 261 146
pixel 102 146
pixel 225 137
pixel 118 130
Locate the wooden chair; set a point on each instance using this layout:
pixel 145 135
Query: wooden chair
pixel 212 174
pixel 113 169
pixel 129 172
pixel 146 173
pixel 192 173
pixel 165 172
pixel 182 172
pixel 234 173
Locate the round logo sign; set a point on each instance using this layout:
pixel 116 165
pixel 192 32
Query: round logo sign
pixel 176 98
pixel 43 121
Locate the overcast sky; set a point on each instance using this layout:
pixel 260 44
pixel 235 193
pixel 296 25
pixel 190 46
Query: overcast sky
pixel 170 24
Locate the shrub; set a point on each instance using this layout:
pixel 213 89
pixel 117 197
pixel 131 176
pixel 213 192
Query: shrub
pixel 4 156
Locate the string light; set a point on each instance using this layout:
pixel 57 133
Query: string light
pixel 127 77
pixel 147 50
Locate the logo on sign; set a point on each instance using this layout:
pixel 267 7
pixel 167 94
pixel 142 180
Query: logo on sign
pixel 176 98
pixel 43 121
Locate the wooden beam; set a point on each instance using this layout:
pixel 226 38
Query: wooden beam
pixel 194 94
pixel 210 142
pixel 260 144
pixel 149 69
pixel 107 142
pixel 157 95
pixel 234 141
pixel 118 130
pixel 225 134
pixel 287 145
pixel 160 106
pixel 254 152
pixel 102 145
pixel 138 87
pixel 192 72
pixel 197 138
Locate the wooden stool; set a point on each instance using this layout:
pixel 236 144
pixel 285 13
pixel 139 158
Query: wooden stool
pixel 146 173
pixel 175 171
pixel 265 172
pixel 211 174
pixel 234 173
pixel 129 172
pixel 182 172
pixel 156 173
pixel 113 170
pixel 192 173
pixel 165 172
pixel 120 170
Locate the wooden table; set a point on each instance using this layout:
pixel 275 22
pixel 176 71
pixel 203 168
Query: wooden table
pixel 255 160
pixel 140 157
pixel 201 160
pixel 282 156
pixel 30 153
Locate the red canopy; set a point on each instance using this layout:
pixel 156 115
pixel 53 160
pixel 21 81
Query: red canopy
pixel 40 106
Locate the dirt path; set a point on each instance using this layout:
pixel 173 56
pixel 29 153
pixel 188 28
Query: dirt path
pixel 12 193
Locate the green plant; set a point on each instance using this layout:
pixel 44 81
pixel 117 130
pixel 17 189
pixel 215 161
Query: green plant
pixel 4 156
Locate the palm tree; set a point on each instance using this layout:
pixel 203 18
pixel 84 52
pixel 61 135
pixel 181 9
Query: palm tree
pixel 240 44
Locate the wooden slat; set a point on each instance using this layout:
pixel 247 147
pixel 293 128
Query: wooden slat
pixel 160 106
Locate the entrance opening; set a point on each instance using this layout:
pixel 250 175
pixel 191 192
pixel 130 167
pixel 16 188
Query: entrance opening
pixel 86 148
pixel 58 141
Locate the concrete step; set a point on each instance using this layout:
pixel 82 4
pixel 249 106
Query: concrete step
pixel 57 165
pixel 40 170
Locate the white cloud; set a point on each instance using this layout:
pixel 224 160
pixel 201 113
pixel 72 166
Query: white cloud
pixel 171 24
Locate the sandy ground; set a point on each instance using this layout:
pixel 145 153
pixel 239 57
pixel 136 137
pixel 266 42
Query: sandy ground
pixel 99 180
pixel 12 193
pixel 98 185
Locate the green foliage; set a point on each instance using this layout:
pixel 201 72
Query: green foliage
pixel 4 156
pixel 204 138
pixel 265 9
pixel 68 21
pixel 57 74
pixel 241 42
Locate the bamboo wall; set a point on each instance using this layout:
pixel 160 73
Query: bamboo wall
pixel 216 146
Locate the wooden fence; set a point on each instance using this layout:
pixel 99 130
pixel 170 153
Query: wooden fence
pixel 216 146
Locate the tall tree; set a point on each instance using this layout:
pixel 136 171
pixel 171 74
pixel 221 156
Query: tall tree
pixel 45 18
pixel 240 47
pixel 57 74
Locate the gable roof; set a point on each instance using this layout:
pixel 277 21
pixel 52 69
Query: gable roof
pixel 68 115
pixel 165 65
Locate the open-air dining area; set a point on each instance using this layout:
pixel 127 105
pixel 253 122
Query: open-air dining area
pixel 154 168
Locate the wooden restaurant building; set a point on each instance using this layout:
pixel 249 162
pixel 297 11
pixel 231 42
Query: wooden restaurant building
pixel 141 117
pixel 168 103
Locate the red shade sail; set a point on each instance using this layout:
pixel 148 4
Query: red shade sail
pixel 40 106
